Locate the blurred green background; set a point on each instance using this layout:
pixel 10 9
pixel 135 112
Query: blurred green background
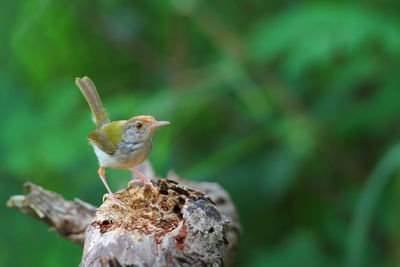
pixel 292 106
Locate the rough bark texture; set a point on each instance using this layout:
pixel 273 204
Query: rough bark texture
pixel 175 225
pixel 69 218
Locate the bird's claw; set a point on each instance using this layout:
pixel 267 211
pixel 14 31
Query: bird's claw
pixel 145 181
pixel 115 200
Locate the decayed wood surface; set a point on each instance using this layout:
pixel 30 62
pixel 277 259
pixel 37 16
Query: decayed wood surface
pixel 182 223
pixel 69 218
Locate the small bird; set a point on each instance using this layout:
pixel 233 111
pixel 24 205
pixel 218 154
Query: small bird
pixel 118 144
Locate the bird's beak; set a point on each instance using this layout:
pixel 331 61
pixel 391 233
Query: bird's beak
pixel 158 124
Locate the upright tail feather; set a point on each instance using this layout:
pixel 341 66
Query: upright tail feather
pixel 88 89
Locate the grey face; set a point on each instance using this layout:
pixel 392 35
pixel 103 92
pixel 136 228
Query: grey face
pixel 138 131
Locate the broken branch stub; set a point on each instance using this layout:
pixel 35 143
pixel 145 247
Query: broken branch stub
pixel 177 226
pixel 69 218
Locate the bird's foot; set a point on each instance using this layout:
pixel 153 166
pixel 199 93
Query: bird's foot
pixel 115 200
pixel 143 180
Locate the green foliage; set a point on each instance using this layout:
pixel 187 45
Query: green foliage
pixel 370 194
pixel 289 105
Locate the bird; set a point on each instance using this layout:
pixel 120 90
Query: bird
pixel 121 144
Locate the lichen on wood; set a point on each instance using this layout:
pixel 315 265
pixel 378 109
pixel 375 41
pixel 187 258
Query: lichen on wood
pixel 181 223
pixel 176 226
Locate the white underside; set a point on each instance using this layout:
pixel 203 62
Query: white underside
pixel 118 161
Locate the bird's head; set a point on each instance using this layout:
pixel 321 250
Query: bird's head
pixel 142 128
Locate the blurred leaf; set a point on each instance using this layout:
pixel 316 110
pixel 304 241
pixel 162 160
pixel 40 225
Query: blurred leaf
pixel 300 249
pixel 367 202
pixel 286 104
pixel 317 34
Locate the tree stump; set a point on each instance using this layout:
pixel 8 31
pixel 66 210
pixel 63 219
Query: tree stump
pixel 181 223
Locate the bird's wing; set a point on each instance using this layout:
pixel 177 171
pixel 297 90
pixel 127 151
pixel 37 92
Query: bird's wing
pixel 108 137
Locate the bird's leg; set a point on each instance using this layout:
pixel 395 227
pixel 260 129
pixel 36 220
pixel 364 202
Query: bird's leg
pixel 142 179
pixel 110 195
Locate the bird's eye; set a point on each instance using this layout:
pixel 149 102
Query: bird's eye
pixel 139 125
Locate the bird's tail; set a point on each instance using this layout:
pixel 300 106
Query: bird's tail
pixel 88 89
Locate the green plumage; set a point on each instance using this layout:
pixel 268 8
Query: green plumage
pixel 108 137
pixel 108 134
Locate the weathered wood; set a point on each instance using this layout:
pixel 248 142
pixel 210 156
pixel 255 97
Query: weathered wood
pixel 69 218
pixel 176 225
pixel 225 205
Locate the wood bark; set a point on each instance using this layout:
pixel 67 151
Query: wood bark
pixel 180 223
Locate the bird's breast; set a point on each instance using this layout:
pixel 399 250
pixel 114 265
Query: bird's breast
pixel 128 155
